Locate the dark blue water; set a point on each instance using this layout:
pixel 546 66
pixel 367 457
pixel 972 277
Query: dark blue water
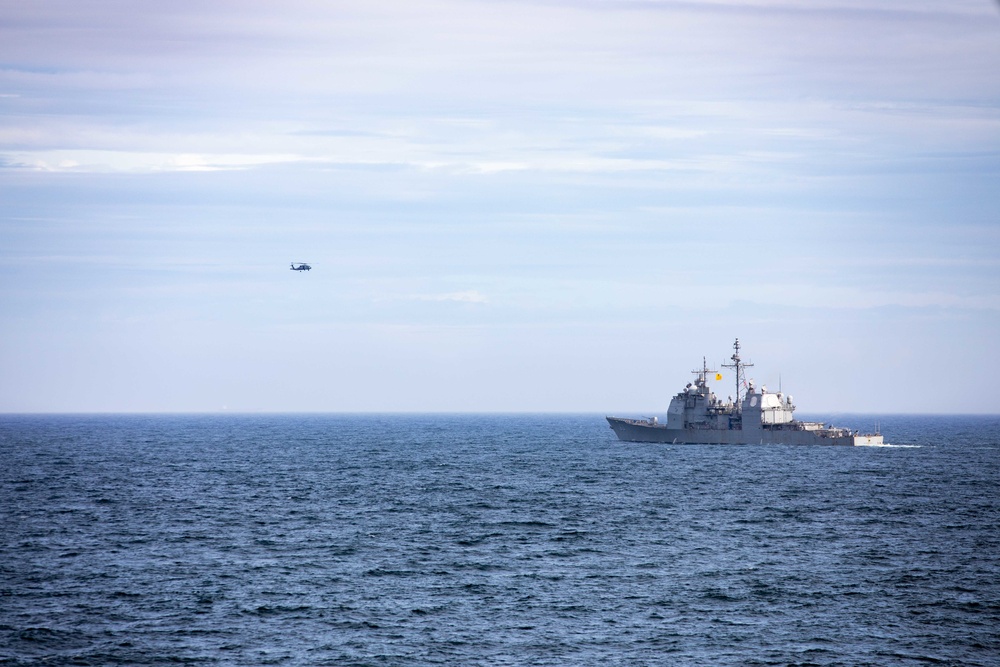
pixel 491 540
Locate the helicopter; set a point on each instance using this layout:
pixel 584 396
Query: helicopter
pixel 301 267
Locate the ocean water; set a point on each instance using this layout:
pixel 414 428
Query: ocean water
pixel 491 540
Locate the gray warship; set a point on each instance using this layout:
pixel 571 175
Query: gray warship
pixel 757 416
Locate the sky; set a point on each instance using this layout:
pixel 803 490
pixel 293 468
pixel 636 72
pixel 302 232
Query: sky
pixel 509 206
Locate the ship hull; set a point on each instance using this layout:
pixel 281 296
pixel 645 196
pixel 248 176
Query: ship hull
pixel 635 430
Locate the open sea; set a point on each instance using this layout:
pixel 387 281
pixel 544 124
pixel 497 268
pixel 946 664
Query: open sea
pixel 492 540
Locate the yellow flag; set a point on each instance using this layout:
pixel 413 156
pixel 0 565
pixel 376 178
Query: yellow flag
pixel 718 376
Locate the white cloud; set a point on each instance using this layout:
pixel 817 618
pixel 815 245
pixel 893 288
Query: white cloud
pixel 577 161
pixel 466 296
pixel 125 161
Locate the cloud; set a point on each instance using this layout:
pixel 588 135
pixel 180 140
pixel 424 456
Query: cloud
pixel 467 296
pixel 487 87
pixel 594 162
pixel 96 161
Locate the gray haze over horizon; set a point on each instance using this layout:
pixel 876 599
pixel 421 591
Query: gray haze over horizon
pixel 557 205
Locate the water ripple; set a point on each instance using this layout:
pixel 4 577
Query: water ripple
pixel 490 540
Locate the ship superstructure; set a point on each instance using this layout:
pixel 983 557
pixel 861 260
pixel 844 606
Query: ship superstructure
pixel 697 416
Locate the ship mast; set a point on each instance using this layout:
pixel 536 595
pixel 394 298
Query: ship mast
pixel 702 373
pixel 738 365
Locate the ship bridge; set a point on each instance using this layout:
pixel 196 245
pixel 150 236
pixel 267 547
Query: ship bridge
pixel 766 408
